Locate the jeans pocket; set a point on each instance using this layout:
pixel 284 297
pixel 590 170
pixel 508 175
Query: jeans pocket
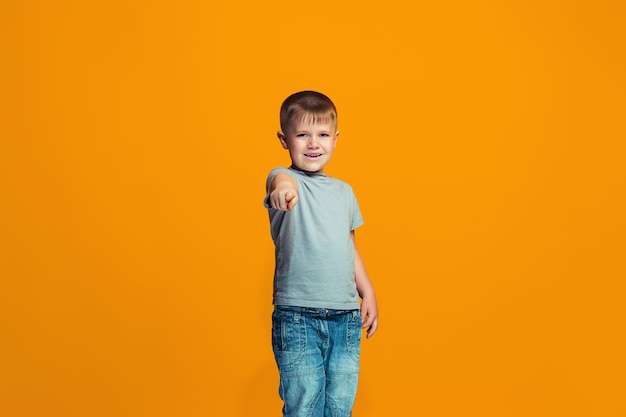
pixel 288 339
pixel 353 336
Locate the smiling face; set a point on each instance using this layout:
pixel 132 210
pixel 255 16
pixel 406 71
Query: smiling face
pixel 310 142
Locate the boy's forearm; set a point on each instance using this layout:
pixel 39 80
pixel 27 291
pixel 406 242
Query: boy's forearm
pixel 363 284
pixel 369 305
pixel 283 180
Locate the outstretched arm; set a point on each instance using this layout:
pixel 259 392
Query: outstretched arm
pixel 283 192
pixel 369 307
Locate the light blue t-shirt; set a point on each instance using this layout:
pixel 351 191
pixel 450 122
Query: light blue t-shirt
pixel 313 248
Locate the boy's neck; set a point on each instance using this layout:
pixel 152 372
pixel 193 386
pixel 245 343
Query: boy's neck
pixel 321 172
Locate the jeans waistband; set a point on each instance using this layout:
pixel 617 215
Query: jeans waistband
pixel 314 311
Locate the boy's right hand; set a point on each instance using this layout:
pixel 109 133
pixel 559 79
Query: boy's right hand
pixel 284 198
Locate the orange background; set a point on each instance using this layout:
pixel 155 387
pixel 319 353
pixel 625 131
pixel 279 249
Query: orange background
pixel 484 139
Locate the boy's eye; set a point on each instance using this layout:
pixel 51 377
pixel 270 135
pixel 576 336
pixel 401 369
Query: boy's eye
pixel 324 135
pixel 301 135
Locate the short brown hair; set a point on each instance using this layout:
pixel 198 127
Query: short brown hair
pixel 307 105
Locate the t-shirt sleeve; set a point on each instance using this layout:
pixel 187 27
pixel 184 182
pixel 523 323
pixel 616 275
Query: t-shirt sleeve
pixel 270 177
pixel 357 218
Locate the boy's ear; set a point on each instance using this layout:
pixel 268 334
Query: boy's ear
pixel 336 136
pixel 282 138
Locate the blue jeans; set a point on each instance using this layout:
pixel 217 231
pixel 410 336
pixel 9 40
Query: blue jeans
pixel 317 352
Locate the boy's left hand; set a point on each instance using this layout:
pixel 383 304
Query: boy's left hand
pixel 369 315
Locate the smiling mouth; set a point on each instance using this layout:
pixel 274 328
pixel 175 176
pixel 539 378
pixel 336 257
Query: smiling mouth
pixel 313 155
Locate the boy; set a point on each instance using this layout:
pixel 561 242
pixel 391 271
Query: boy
pixel 319 274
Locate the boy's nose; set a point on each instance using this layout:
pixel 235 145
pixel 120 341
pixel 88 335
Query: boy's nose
pixel 313 143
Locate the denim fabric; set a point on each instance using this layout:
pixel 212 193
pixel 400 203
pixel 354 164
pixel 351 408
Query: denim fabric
pixel 317 352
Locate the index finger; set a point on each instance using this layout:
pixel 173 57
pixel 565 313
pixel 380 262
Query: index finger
pixel 372 329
